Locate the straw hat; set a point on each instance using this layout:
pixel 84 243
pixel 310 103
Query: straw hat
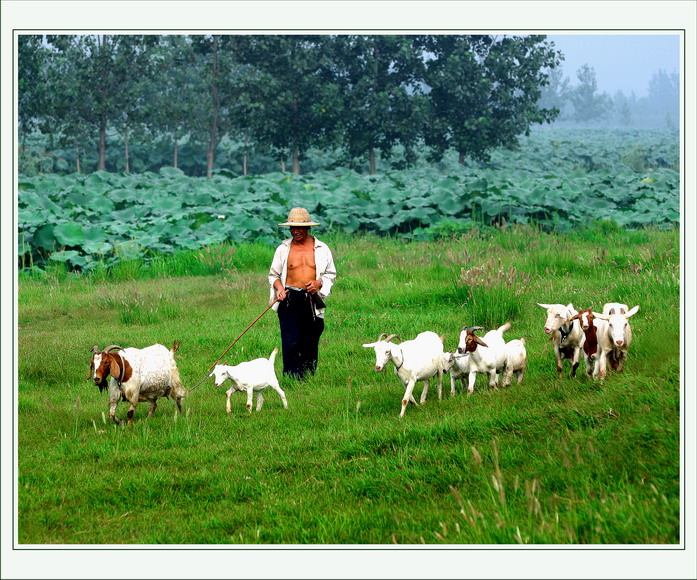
pixel 300 217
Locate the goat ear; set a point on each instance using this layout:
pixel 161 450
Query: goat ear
pixel 114 368
pixel 545 306
pixel 479 341
pixel 369 345
pixel 89 376
pixel 601 316
pixel 632 312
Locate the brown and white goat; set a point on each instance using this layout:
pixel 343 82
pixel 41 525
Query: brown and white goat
pixel 137 375
pixel 590 326
pixel 487 354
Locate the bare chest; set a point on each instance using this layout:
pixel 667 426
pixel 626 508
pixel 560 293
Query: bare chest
pixel 301 257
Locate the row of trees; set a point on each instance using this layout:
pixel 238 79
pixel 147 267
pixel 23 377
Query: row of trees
pixel 365 95
pixel 583 104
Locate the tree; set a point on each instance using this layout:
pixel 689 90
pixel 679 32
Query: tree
pixel 291 93
pixel 555 94
pixel 31 82
pixel 379 77
pixel 663 100
pixel 171 94
pixel 588 104
pixel 93 79
pixel 484 91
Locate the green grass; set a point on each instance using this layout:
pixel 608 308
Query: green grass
pixel 551 461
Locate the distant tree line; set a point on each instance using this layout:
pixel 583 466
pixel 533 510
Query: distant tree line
pixel 366 97
pixel 583 104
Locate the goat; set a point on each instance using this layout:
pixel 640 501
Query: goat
pixel 590 326
pixel 565 334
pixel 614 339
pixel 419 359
pixel 516 361
pixel 458 365
pixel 251 377
pixel 137 375
pixel 487 354
pixel 615 308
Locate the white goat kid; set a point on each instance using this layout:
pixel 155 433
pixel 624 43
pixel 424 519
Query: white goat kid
pixel 614 339
pixel 458 365
pixel 565 334
pixel 516 361
pixel 250 377
pixel 487 354
pixel 137 375
pixel 419 359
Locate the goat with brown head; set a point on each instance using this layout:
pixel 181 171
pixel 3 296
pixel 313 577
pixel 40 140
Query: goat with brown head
pixel 107 363
pixel 471 340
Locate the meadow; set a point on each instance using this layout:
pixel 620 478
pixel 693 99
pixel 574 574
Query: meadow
pixel 550 461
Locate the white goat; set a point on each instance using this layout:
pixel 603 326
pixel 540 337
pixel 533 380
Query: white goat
pixel 565 334
pixel 137 375
pixel 615 308
pixel 251 377
pixel 487 354
pixel 458 365
pixel 419 359
pixel 516 361
pixel 614 339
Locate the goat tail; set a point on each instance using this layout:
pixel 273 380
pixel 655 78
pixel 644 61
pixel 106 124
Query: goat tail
pixel 175 346
pixel 272 356
pixel 504 328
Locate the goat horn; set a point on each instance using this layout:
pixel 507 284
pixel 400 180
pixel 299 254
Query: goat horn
pixel 112 346
pixel 476 328
pixel 95 349
pixel 383 335
pixel 389 338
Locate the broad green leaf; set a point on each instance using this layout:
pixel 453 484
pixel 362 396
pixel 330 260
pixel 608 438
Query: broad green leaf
pixel 69 234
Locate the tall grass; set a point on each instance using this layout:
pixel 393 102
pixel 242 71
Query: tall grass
pixel 552 461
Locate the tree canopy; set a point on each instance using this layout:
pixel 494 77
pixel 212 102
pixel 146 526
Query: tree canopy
pixel 365 96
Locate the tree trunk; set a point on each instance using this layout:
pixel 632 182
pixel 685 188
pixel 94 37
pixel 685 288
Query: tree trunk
pixel 127 168
pixel 296 163
pixel 371 154
pixel 216 106
pixel 101 166
pixel 77 157
pixel 283 165
pixel 244 158
pixel 461 160
pixel 176 153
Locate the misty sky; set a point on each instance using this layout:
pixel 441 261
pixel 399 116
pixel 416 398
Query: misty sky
pixel 622 62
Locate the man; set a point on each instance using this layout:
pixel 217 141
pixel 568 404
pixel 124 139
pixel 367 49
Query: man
pixel 301 277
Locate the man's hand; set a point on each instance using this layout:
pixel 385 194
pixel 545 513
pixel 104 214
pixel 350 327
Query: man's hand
pixel 313 286
pixel 281 294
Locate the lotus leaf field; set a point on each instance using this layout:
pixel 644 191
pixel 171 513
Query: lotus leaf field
pixel 558 180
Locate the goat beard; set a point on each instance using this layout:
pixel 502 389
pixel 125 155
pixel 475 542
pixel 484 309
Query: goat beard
pixel 103 385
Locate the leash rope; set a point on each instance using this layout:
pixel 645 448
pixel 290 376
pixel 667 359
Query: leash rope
pixel 233 344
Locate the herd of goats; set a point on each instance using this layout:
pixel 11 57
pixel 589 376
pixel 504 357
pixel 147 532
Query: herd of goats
pixel 137 375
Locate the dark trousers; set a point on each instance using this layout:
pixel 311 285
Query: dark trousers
pixel 300 332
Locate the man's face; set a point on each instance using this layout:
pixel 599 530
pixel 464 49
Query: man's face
pixel 299 233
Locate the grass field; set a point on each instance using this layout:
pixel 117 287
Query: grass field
pixel 551 461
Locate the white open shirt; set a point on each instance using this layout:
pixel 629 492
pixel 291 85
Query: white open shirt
pixel 324 270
